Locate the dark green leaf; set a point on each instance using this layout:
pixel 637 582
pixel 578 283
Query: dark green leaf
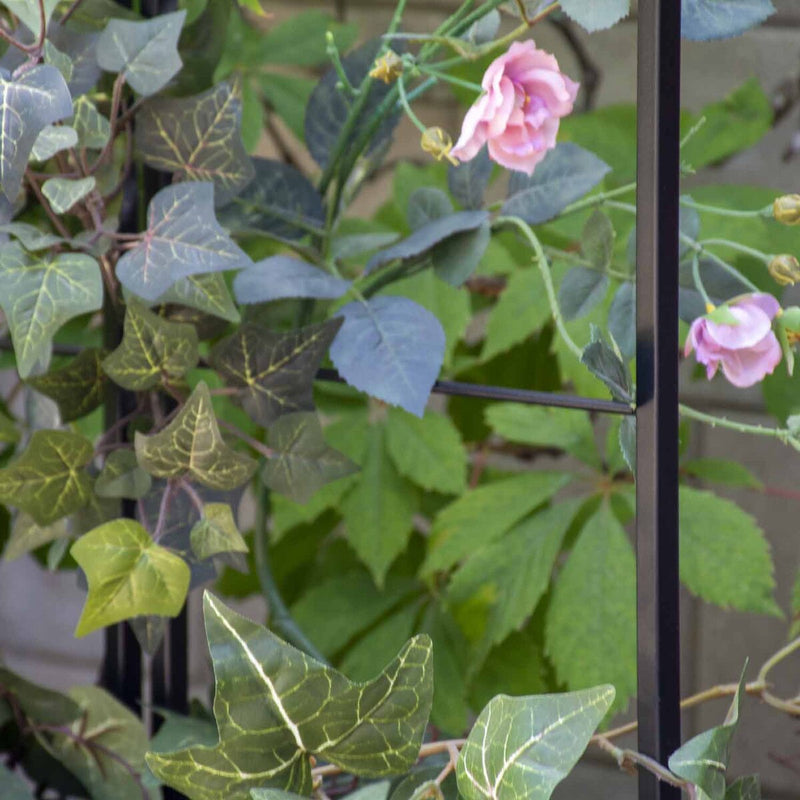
pixel 718 470
pixel 456 258
pixel 122 476
pixel 747 788
pixel 281 276
pixel 79 46
pixel 622 319
pixel 216 532
pixel 78 388
pixel 468 181
pixel 427 204
pixel 39 704
pixel 605 364
pixel 207 293
pixel 580 291
pixel 719 19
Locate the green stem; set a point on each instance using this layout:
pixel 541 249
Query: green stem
pixel 333 53
pixel 475 87
pixel 280 619
pixel 741 248
pixel 574 258
pixel 598 199
pixel 698 248
pixel 407 106
pixel 783 435
pixel 698 282
pixel 547 278
pixel 726 212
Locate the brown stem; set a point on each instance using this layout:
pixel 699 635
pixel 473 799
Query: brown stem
pixel 630 759
pixel 116 99
pixel 259 447
pixel 57 223
pixel 70 11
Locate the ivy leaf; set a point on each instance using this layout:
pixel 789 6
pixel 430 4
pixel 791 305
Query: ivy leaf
pixel 207 293
pixel 183 238
pixel 427 451
pixel 391 348
pixel 704 759
pixel 702 20
pixel 128 575
pixel 275 371
pixel 26 535
pixel 216 532
pixel 37 703
pixel 280 201
pixel 192 445
pixel 276 706
pixel 28 104
pixel 278 277
pixel 63 193
pixel 566 174
pixel 747 788
pixel 145 52
pixel 469 181
pixel 303 461
pixel 484 514
pixel 51 140
pixel 521 748
pixel 152 350
pixel 79 46
pixel 122 476
pixel 596 15
pixel 48 480
pixel 78 388
pixel 590 633
pixel 197 138
pixel 30 237
pixel 29 14
pixel 40 294
pixel 724 555
pixel 93 128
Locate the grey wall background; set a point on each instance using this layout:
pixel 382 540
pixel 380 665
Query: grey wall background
pixel 38 610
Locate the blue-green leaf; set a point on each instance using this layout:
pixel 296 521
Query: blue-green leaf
pixel 596 15
pixel 468 181
pixel 285 276
pixel 720 19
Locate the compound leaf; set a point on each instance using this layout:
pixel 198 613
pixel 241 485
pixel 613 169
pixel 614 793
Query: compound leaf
pixel 128 575
pixel 284 276
pixel 192 445
pixel 216 532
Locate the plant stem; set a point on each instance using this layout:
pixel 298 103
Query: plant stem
pixel 44 203
pixel 775 659
pixel 628 758
pixel 742 248
pixel 698 248
pixel 598 199
pixel 259 447
pixel 70 11
pixel 475 87
pixel 698 282
pixel 783 435
pixel 726 212
pixel 401 89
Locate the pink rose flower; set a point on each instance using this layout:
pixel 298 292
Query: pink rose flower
pixel 518 114
pixel 747 351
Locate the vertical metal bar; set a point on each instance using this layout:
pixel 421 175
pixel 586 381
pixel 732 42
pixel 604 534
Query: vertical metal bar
pixel 658 168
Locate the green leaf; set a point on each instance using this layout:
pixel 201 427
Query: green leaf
pixel 152 350
pixel 37 703
pixel 622 318
pixel 128 575
pixel 627 441
pixel 521 748
pixel 145 52
pixel 379 510
pixel 63 193
pixel 718 19
pixel 275 371
pixel 427 451
pixel 469 181
pixel 14 786
pixel 515 570
pixel 747 788
pixel 300 40
pixel 426 205
pixel 183 238
pixel 48 480
pixel 192 445
pixel 216 532
pixel 93 128
pixel 276 706
pixel 197 139
pixel 40 294
pixel 580 291
pixel 29 15
pixel 724 555
pixel 483 515
pixel 303 462
pixel 27 536
pixel 456 258
pixel 703 760
pixel 288 96
pixel 53 139
pixel 207 293
pixel 78 388
pixel 122 476
pixel 590 633
pixel 31 237
pixel 605 363
pixel 718 470
pixel 279 277
pixel 596 15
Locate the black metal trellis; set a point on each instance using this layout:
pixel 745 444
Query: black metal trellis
pixel 658 172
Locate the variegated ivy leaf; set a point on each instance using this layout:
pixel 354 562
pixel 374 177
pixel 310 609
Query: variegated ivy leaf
pixel 146 52
pixel 747 788
pixel 276 707
pixel 26 535
pixel 183 238
pixel 192 445
pixel 30 237
pixel 28 104
pixel 61 61
pixel 53 139
pixel 48 480
pixel 275 371
pixel 63 193
pixel 152 350
pixel 40 294
pixel 92 127
pixel 79 45
pixel 128 575
pixel 77 388
pixel 207 293
pixel 122 476
pixel 197 138
pixel 303 462
pixel 521 748
pixel 216 532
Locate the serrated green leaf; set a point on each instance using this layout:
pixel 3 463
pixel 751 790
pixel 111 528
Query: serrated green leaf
pixel 37 703
pixel 596 15
pixel 63 193
pixel 303 462
pixel 484 514
pixel 427 450
pixel 183 238
pixel 724 555
pixel 426 205
pixel 521 748
pixel 276 706
pixel 152 350
pixel 145 52
pixel 590 633
pixel 93 128
pixel 604 363
pixel 26 535
pixel 48 480
pixel 581 290
pixel 197 139
pixel 718 19
pixel 207 293
pixel 53 139
pixel 718 470
pixel 122 476
pixel 279 277
pixel 78 388
pixel 41 294
pixel 216 532
pixel 128 575
pixel 275 371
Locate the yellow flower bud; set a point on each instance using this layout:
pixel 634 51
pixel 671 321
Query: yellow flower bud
pixel 785 269
pixel 388 68
pixel 438 143
pixel 786 209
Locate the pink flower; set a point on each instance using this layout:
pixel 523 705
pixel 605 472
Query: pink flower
pixel 518 114
pixel 747 351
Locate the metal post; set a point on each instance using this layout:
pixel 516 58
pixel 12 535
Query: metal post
pixel 658 167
